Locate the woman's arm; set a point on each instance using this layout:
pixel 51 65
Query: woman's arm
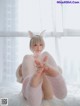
pixel 51 71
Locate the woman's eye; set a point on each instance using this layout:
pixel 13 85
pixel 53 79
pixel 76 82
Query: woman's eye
pixel 40 44
pixel 35 45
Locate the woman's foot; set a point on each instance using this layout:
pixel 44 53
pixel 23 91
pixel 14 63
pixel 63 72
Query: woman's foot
pixel 38 76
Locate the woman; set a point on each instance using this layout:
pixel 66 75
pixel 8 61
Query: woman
pixel 40 75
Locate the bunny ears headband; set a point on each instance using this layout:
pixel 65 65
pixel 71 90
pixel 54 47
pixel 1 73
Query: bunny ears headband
pixel 32 35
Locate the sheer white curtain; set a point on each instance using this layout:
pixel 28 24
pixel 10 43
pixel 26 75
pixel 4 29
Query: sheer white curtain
pixel 19 16
pixel 69 53
pixel 38 15
pixel 69 43
pixel 71 15
pixel 7 43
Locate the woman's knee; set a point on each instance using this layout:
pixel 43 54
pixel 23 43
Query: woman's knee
pixel 61 94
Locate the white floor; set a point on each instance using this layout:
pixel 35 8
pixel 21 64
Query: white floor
pixel 15 98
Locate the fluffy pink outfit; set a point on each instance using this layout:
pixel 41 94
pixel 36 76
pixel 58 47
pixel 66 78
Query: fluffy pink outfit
pixel 34 94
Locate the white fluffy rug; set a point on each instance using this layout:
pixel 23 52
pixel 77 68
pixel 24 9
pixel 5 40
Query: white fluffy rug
pixel 15 98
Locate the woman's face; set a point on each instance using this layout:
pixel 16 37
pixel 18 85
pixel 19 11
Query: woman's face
pixel 37 48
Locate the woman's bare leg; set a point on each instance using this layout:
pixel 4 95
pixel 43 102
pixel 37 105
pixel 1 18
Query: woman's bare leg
pixel 47 88
pixel 35 94
pixel 37 78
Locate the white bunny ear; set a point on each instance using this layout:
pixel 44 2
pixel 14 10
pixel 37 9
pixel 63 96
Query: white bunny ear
pixel 42 33
pixel 30 34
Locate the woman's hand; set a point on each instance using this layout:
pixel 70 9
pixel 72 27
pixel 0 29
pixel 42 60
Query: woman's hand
pixel 41 65
pixel 45 59
pixel 47 69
